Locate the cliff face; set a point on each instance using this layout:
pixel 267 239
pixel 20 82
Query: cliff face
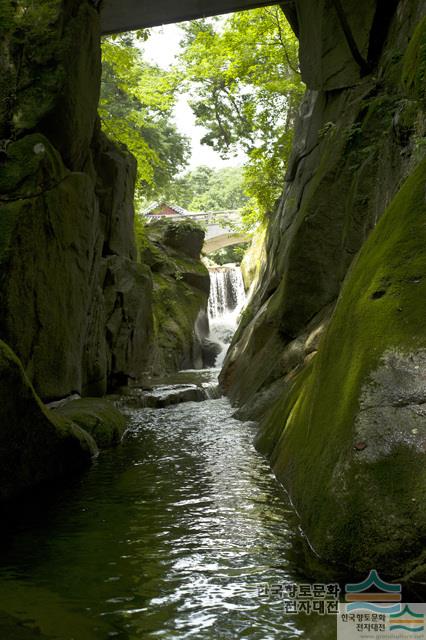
pixel 76 301
pixel 75 305
pixel 181 287
pixel 340 297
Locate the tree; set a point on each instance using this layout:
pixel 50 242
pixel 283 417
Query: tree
pixel 246 88
pixel 224 191
pixel 136 107
pixel 31 73
pixel 206 189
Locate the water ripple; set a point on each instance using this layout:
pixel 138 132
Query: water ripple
pixel 168 536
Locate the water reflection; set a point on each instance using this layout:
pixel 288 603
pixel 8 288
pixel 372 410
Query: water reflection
pixel 168 536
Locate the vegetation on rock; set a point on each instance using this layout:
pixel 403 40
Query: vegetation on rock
pixel 97 416
pixel 348 435
pixel 181 286
pixel 35 444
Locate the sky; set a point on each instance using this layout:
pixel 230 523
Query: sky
pixel 162 48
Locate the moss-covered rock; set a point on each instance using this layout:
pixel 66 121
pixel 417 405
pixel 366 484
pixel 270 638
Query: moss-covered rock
pixel 254 258
pixel 99 417
pixel 75 306
pixel 186 237
pixel 348 440
pixel 176 308
pixel 345 432
pixel 74 301
pixel 49 246
pixel 35 444
pixel 180 295
pixel 414 64
pixel 352 150
pixel 128 322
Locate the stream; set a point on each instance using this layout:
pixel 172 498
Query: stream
pixel 171 535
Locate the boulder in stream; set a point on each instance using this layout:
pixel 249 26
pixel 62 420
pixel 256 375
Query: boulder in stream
pixel 99 417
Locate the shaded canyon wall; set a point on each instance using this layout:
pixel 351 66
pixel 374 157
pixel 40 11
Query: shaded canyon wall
pixel 77 307
pixel 330 353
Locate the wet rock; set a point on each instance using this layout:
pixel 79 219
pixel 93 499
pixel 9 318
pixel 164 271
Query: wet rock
pixel 36 445
pixel 164 396
pixel 210 351
pixel 197 280
pixel 98 416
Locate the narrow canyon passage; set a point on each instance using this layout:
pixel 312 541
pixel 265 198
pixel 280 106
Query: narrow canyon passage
pixel 168 536
pixel 171 535
pixel 165 474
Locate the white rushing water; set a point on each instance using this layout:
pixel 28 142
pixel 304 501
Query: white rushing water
pixel 227 299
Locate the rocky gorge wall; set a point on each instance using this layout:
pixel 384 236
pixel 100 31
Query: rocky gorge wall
pixel 181 287
pixel 73 299
pixel 76 298
pixel 341 295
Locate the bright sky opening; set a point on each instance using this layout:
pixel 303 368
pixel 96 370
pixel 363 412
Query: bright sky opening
pixel 162 48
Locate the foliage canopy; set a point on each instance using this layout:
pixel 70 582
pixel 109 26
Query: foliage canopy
pixel 243 76
pixel 206 189
pixel 136 109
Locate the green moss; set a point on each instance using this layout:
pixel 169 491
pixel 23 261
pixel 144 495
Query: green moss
pixel 414 64
pixel 254 257
pixel 97 416
pixel 183 228
pixel 181 287
pixel 36 445
pixel 32 166
pixel 347 504
pixel 176 306
pixel 274 423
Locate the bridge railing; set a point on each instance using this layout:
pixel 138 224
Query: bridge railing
pixel 210 217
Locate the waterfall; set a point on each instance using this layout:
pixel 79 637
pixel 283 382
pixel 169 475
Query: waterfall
pixel 227 298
